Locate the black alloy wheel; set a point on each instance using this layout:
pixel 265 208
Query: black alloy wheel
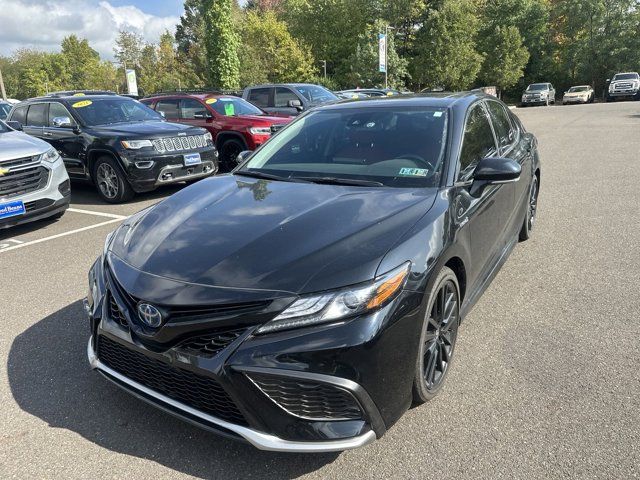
pixel 438 339
pixel 532 210
pixel 229 153
pixel 112 185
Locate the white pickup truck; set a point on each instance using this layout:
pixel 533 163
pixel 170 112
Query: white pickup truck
pixel 624 85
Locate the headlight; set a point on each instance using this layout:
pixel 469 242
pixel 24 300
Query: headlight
pixel 260 130
pixel 136 144
pixel 50 156
pixel 341 304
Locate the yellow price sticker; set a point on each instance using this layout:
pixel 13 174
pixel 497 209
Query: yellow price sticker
pixel 84 103
pixel 389 94
pixel 79 94
pixel 209 101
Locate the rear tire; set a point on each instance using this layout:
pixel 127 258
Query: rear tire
pixel 111 183
pixel 438 337
pixel 530 215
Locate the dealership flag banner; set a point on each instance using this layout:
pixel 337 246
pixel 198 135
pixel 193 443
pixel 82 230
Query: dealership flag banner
pixel 382 49
pixel 132 84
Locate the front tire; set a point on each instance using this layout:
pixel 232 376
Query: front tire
pixel 112 185
pixel 438 337
pixel 229 152
pixel 532 209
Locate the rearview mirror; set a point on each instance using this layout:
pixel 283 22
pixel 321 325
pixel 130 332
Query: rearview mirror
pixel 62 122
pixel 15 125
pixel 494 171
pixel 242 156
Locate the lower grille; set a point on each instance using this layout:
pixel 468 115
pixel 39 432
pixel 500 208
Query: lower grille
pixel 212 344
pixel 24 181
pixel 116 314
pixel 199 392
pixel 37 205
pixel 308 399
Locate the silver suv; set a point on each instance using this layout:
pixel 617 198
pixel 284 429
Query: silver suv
pixel 539 94
pixel 624 85
pixel 33 180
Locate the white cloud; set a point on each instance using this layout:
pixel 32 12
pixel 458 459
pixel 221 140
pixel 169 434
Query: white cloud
pixel 43 24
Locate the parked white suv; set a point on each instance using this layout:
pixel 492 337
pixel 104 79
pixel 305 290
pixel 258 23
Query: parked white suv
pixel 539 94
pixel 33 180
pixel 624 85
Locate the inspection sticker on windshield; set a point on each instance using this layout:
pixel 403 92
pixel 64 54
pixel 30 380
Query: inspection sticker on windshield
pixel 84 103
pixel 414 172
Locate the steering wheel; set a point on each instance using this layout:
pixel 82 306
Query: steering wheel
pixel 418 159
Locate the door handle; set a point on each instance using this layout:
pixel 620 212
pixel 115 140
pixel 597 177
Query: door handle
pixel 48 134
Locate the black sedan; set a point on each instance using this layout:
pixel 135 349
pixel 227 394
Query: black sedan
pixel 305 301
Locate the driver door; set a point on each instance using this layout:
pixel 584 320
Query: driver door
pixel 66 141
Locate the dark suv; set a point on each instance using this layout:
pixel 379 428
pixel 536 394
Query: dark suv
pixel 235 124
pixel 117 142
pixel 288 98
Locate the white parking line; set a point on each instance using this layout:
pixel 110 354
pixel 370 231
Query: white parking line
pixel 99 214
pixel 53 237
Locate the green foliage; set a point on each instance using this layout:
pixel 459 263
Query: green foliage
pixel 221 44
pixel 504 57
pixel 445 54
pixel 270 54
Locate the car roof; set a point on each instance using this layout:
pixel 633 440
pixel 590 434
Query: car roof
pixel 269 85
pixel 199 95
pixel 75 97
pixel 437 100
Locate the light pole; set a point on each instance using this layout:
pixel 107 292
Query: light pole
pixel 324 66
pixel 2 90
pixel 386 56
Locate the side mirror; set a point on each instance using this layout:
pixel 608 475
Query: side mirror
pixel 607 80
pixel 297 104
pixel 62 122
pixel 244 155
pixel 162 114
pixel 15 125
pixel 494 171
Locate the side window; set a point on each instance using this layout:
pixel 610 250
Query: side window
pixel 260 96
pixel 58 110
pixel 477 142
pixel 20 115
pixel 283 95
pixel 169 108
pixel 37 115
pixel 504 130
pixel 189 107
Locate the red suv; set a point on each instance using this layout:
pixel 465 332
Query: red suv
pixel 236 125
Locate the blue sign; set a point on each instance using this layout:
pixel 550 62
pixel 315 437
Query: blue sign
pixel 11 209
pixel 382 52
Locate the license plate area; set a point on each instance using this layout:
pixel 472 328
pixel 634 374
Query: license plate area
pixel 192 159
pixel 12 209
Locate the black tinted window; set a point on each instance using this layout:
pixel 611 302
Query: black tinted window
pixel 58 110
pixel 478 141
pixel 169 108
pixel 259 96
pixel 283 96
pixel 20 115
pixel 501 123
pixel 189 108
pixel 37 115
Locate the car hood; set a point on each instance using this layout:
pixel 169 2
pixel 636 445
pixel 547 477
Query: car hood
pixel 145 129
pixel 576 94
pixel 16 144
pixel 265 119
pixel 238 232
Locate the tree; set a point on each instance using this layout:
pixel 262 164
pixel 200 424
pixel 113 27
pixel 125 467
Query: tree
pixel 270 54
pixel 504 57
pixel 81 63
pixel 446 55
pixel 221 44
pixel 128 49
pixel 363 62
pixel 190 34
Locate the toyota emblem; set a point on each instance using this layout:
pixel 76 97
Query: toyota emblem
pixel 149 315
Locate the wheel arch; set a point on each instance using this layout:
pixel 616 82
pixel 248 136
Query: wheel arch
pixel 223 137
pixel 95 154
pixel 456 264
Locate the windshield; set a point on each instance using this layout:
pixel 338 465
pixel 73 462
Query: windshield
pixel 230 106
pixel 106 111
pixel 3 127
pixel 537 87
pixel 579 89
pixel 394 146
pixel 316 94
pixel 4 110
pixel 626 76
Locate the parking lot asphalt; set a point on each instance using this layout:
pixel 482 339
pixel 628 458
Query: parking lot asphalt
pixel 546 381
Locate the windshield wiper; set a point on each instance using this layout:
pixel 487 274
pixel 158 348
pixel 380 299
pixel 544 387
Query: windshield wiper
pixel 263 175
pixel 340 181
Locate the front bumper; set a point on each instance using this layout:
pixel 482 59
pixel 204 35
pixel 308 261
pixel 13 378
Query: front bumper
pixel 369 361
pixel 566 100
pixel 623 93
pixel 54 198
pixel 146 171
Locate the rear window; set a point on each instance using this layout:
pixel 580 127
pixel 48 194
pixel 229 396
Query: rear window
pixel 20 114
pixel 37 115
pixel 170 108
pixel 259 96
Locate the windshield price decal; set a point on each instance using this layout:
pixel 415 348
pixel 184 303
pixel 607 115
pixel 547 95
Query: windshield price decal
pixel 84 103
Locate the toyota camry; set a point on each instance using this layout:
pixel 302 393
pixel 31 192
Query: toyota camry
pixel 306 300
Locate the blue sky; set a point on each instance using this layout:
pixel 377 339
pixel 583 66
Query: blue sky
pixel 155 7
